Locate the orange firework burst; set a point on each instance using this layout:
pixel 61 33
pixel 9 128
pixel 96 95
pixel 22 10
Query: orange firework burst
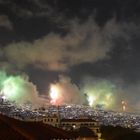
pixel 55 95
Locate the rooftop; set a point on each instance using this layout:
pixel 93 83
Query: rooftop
pixel 78 120
pixel 15 129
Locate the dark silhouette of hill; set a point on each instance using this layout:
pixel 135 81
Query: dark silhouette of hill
pixel 119 133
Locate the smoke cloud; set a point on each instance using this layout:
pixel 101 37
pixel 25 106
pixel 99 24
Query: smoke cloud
pixel 65 92
pixel 100 92
pixel 109 94
pixel 5 22
pixel 130 94
pixel 18 89
pixel 83 43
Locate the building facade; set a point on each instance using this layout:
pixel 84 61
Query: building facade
pixel 74 124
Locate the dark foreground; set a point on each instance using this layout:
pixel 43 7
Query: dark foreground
pixel 119 133
pixel 11 129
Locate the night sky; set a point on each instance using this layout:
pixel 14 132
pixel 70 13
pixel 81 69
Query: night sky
pixel 77 38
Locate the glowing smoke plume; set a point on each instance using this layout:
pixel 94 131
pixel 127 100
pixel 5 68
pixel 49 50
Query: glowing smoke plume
pixel 99 92
pixel 64 92
pixel 55 94
pixel 17 88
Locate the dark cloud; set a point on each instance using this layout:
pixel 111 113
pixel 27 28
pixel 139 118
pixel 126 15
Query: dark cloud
pixel 33 19
pixel 124 54
pixel 5 22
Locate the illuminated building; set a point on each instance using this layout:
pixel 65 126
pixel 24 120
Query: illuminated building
pixel 73 124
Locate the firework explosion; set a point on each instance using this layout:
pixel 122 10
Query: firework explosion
pixel 17 88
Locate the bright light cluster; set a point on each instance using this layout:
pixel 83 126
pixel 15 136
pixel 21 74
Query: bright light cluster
pixel 16 88
pixel 100 93
pixel 54 94
pixel 94 100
